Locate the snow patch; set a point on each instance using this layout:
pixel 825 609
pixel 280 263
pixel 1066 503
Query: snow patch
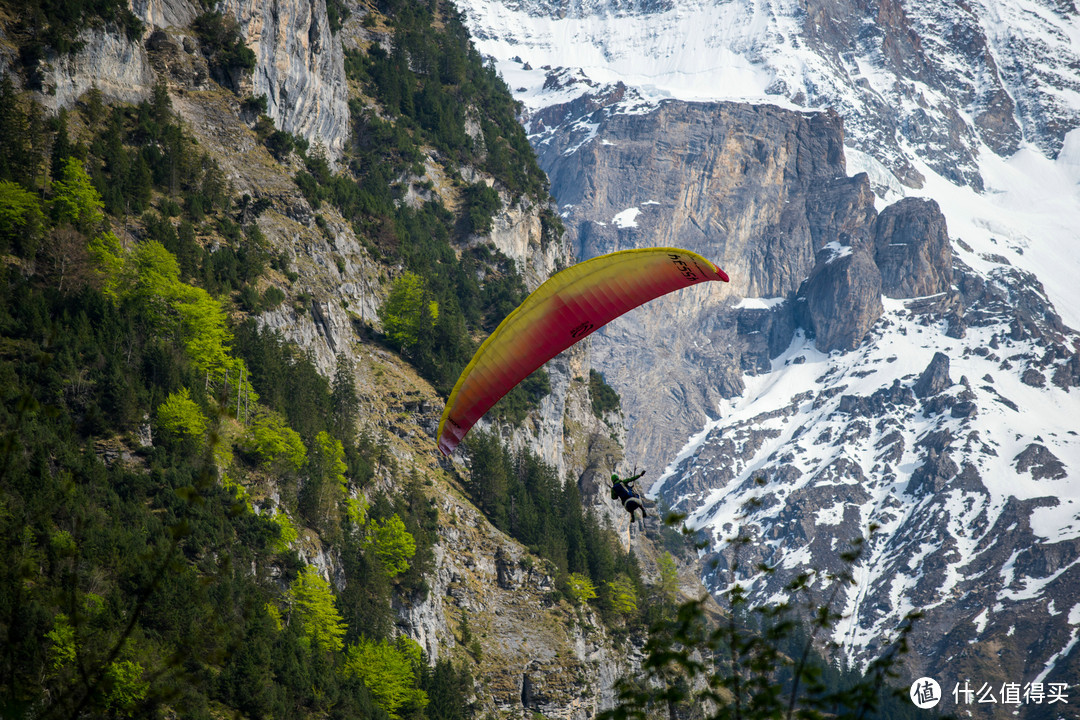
pixel 627 218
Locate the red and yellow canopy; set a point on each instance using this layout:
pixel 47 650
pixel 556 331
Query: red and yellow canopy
pixel 569 306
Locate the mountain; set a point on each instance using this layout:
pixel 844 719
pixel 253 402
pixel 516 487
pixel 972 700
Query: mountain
pixel 220 492
pixel 893 189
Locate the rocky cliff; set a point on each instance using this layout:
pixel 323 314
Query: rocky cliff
pixel 761 191
pixel 299 65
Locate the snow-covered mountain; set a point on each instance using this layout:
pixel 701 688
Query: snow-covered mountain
pixel 949 419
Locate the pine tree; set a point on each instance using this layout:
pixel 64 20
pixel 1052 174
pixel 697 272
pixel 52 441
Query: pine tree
pixel 344 402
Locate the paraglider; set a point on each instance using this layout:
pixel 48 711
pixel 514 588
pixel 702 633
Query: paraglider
pixel 569 306
pixel 623 491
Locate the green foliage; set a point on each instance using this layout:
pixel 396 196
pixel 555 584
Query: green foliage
pixel 481 204
pixel 62 636
pixel 448 690
pixel 579 588
pixel 433 79
pixel 220 41
pixel 343 401
pixel 21 156
pixel 121 590
pixel 180 416
pixel 107 255
pixel 20 219
pixel 323 494
pixel 312 603
pixel 287 380
pixel 204 329
pixel 391 673
pixel 392 544
pixel 523 397
pixel 75 200
pixel 337 12
pixel 621 595
pixel 604 398
pixel 280 144
pixel 125 685
pixel 408 313
pixel 276 444
pixel 668 587
pixel 287 533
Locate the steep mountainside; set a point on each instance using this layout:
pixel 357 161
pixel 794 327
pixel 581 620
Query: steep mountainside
pixel 896 351
pixel 291 169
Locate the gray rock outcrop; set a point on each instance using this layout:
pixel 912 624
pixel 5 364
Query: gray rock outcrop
pixel 841 300
pixel 300 67
pixel 912 249
pixel 934 378
pixel 109 61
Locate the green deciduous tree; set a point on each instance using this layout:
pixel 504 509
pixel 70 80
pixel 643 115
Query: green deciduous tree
pixel 276 444
pixel 621 595
pixel 580 588
pixel 287 533
pixel 203 328
pixel 180 417
pixel 389 670
pixel 392 544
pixel 124 685
pixel 108 258
pixel 75 199
pixel 151 276
pixel 312 603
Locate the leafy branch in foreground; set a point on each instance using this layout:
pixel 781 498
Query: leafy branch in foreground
pixel 759 660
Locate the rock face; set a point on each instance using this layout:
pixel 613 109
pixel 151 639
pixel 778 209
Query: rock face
pixel 299 64
pixel 118 67
pixel 771 213
pixel 912 249
pixel 300 67
pixel 535 658
pixel 841 300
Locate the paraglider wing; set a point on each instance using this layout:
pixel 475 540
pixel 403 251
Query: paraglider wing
pixel 566 308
